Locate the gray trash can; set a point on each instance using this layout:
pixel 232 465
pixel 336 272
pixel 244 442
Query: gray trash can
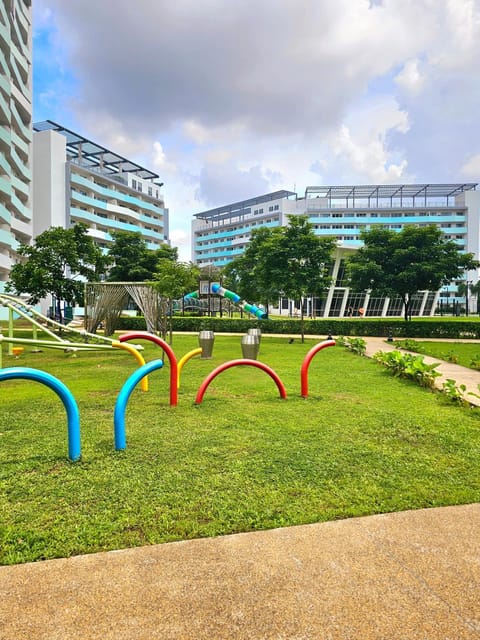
pixel 205 341
pixel 255 332
pixel 250 347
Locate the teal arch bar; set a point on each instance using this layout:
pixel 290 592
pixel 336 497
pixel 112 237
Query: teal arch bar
pixel 73 416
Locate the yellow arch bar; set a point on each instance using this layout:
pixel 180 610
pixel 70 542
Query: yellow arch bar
pixel 138 357
pixel 186 358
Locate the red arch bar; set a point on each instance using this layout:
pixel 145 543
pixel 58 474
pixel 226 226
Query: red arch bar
pixel 236 363
pixel 139 335
pixel 306 363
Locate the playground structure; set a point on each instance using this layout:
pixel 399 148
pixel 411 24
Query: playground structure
pixel 59 334
pixel 106 301
pixel 140 375
pixel 232 297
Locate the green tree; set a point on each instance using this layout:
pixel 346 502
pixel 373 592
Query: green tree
pixel 402 263
pixel 172 280
pixel 301 261
pixel 57 264
pixel 291 261
pixel 132 260
pixel 249 275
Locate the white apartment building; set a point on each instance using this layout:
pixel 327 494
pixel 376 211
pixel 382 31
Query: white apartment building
pixel 15 131
pixel 78 180
pixel 219 235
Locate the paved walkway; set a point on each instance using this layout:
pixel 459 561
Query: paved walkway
pixel 412 575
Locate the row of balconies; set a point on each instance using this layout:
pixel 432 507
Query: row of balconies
pixel 114 194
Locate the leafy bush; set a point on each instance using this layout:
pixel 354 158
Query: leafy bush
pixel 407 365
pixel 356 345
pixel 409 345
pixel 475 362
pixel 450 356
pixel 454 392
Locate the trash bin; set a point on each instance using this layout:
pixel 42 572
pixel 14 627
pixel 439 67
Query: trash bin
pixel 250 347
pixel 255 332
pixel 205 341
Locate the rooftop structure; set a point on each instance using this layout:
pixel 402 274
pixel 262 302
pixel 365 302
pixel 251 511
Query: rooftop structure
pixel 78 180
pixel 392 195
pixel 94 156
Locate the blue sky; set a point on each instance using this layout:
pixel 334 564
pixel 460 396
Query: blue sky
pixel 231 100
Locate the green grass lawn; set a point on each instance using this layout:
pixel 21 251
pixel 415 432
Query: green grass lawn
pixel 465 354
pixel 244 460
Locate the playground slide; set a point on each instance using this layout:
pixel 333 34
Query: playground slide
pixel 49 326
pixel 235 298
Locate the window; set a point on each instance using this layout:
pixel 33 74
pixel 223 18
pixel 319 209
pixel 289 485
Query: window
pixel 134 184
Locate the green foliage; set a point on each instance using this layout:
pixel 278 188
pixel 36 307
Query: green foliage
pixel 251 275
pixel 407 365
pixel 402 263
pixel 455 393
pixel 355 345
pixel 409 345
pixel 450 356
pixel 172 280
pixel 301 258
pixel 132 260
pixel 463 353
pixel 53 264
pixel 291 261
pixel 439 329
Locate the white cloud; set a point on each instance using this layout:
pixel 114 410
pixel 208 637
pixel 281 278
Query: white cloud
pixel 227 104
pixel 362 145
pixel 181 239
pixel 471 167
pixel 410 78
pixel 160 161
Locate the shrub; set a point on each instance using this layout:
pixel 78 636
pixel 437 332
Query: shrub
pixel 454 392
pixel 407 365
pixel 358 327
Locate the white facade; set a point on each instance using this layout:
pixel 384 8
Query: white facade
pixel 15 131
pixel 342 212
pixel 76 180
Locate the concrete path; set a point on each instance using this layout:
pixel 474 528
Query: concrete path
pixel 410 575
pixel 413 575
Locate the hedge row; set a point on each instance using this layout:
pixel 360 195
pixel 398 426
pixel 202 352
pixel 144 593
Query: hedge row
pixel 395 328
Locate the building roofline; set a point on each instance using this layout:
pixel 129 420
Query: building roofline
pixel 238 207
pixel 389 191
pixel 93 155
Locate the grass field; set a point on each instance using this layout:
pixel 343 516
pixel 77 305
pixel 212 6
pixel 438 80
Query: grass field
pixel 362 443
pixel 466 354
